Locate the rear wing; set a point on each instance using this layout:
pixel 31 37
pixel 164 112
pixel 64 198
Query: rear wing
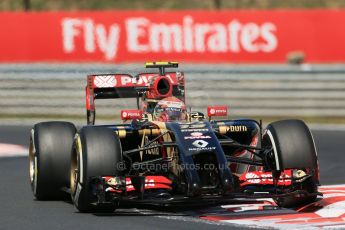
pixel 144 85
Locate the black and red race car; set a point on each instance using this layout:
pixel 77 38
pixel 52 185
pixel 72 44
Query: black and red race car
pixel 164 154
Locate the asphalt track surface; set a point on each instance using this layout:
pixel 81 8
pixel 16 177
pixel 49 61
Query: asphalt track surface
pixel 19 210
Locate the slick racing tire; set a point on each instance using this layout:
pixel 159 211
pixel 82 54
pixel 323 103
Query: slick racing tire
pixel 49 158
pixel 97 152
pixel 293 148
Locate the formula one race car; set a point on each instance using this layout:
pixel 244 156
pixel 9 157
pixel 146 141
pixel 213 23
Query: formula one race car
pixel 163 154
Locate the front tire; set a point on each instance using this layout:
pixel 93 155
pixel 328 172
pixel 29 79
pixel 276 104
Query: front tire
pixel 293 148
pixel 97 152
pixel 49 158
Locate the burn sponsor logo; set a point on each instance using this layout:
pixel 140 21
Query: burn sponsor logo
pixel 194 126
pixel 194 130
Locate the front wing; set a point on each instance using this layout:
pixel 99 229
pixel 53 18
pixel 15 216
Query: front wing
pixel 158 190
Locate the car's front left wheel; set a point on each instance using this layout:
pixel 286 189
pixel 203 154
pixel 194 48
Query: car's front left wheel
pixel 97 152
pixel 293 147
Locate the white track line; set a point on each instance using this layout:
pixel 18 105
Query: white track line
pixel 11 150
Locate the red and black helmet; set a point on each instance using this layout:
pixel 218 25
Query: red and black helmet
pixel 170 109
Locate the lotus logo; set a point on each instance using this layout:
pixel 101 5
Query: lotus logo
pixel 200 143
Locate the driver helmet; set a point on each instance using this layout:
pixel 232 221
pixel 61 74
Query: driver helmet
pixel 170 109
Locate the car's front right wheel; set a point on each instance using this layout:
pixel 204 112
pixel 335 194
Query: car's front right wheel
pixel 49 158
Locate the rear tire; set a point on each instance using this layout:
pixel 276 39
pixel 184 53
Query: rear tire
pixel 293 147
pixel 49 158
pixel 97 152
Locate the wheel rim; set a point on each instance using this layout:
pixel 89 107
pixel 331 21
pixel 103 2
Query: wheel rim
pixel 33 163
pixel 267 144
pixel 74 172
pixel 76 166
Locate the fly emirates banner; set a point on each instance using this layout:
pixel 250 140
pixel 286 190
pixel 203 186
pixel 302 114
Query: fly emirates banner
pixel 246 36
